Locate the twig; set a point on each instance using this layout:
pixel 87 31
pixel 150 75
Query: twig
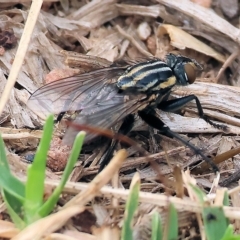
pixel 204 15
pixel 227 63
pixel 21 52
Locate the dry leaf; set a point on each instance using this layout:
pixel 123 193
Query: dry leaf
pixel 7 229
pixel 181 39
pixel 106 233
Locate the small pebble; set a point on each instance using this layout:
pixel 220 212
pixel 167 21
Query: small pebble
pixel 30 157
pixel 144 30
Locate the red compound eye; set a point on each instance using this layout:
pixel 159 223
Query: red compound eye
pixel 190 72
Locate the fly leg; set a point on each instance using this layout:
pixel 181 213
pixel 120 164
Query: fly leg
pixel 176 104
pixel 59 117
pixel 149 116
pixel 124 129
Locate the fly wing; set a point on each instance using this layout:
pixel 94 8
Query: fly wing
pixel 72 93
pixel 112 108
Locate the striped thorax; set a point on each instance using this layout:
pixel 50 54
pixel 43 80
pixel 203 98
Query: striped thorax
pixel 156 75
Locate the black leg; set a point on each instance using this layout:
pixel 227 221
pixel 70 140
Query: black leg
pixel 124 129
pixel 59 117
pixel 176 104
pixel 148 115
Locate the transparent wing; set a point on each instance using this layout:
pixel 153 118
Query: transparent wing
pixel 72 93
pixel 105 113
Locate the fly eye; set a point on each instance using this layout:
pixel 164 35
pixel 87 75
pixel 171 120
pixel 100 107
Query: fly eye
pixel 190 72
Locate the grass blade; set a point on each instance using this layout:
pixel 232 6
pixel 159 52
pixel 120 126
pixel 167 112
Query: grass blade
pixel 131 207
pixel 7 181
pixel 50 203
pixel 226 201
pixel 171 228
pixel 229 234
pixel 36 174
pixel 156 227
pixel 14 209
pixel 215 222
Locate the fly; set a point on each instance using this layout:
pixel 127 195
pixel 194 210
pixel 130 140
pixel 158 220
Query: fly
pixel 109 95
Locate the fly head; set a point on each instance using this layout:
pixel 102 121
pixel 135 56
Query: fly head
pixel 184 68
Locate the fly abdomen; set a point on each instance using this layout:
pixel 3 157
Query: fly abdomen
pixel 146 77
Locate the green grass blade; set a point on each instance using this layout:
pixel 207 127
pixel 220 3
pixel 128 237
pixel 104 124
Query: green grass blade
pixel 36 174
pixel 215 222
pixel 229 234
pixel 156 227
pixel 226 201
pixel 77 147
pixel 7 181
pixel 200 194
pixel 51 202
pixel 171 229
pixel 131 207
pixel 15 203
pixel 14 207
pixel 3 157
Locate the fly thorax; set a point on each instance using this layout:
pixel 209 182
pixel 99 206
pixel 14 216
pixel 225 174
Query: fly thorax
pixel 146 77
